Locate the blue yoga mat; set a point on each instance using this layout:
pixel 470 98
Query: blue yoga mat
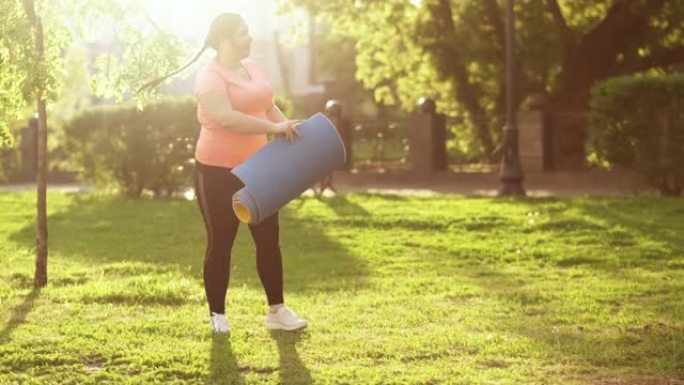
pixel 280 171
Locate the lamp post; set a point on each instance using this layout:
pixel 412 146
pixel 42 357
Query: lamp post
pixel 511 173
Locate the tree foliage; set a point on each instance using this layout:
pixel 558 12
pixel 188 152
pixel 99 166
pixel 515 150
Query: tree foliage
pixel 138 51
pixel 454 50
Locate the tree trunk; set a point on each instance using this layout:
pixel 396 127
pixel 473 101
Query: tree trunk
pixel 452 66
pixel 467 94
pixel 567 111
pixel 40 277
pixel 589 59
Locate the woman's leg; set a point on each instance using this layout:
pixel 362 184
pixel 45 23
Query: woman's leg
pixel 269 261
pixel 270 268
pixel 214 187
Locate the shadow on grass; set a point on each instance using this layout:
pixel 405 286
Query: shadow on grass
pixel 603 291
pixel 223 368
pixel 588 327
pixel 636 232
pixel 292 369
pixel 19 314
pixel 342 206
pixel 168 235
pixel 658 220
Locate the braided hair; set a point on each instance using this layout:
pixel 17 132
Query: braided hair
pixel 223 25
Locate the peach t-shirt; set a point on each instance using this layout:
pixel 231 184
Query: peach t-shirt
pixel 217 146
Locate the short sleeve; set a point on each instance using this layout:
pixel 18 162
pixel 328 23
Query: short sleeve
pixel 207 81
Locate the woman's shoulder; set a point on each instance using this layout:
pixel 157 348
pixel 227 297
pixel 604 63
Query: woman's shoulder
pixel 209 70
pixel 208 78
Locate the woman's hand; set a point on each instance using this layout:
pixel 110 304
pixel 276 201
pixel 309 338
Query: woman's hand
pixel 288 128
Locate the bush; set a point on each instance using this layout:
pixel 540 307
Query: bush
pixel 135 150
pixel 9 164
pixel 13 167
pixel 638 123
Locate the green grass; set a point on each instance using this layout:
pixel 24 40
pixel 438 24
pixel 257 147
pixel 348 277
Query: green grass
pixel 441 290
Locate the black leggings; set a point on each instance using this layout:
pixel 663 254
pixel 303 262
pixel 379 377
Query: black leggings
pixel 214 187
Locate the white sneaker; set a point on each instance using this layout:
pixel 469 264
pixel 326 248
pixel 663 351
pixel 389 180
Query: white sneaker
pixel 284 319
pixel 219 323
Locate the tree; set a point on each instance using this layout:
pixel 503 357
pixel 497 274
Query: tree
pixel 35 36
pixel 454 51
pixel 36 23
pixel 621 37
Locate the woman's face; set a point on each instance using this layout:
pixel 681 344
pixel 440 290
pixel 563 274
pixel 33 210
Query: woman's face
pixel 240 44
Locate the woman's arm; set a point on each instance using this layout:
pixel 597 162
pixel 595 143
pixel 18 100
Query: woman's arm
pixel 275 115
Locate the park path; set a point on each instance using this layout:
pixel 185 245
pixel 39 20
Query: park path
pixel 540 184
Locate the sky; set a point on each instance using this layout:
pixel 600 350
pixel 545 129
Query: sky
pixel 190 19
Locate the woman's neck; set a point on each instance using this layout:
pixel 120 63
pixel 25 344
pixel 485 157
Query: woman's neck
pixel 228 61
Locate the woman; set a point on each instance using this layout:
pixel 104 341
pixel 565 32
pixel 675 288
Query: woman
pixel 236 111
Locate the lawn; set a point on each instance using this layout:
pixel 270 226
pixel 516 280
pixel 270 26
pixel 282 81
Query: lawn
pixel 397 290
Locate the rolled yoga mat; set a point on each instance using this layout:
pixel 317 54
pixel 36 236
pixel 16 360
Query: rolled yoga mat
pixel 281 171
